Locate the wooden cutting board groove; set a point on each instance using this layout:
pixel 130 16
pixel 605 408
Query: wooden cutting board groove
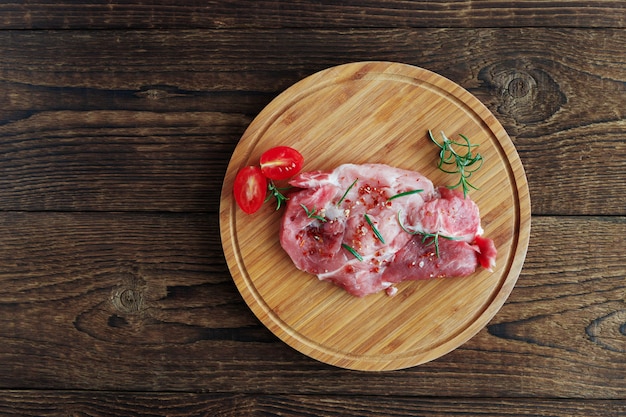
pixel 376 112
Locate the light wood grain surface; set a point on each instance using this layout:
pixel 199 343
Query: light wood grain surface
pixel 376 112
pixel 117 123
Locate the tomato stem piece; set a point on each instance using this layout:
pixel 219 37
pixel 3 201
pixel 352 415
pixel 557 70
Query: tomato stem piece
pixel 273 191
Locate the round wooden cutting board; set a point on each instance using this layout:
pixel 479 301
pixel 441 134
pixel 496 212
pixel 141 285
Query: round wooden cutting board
pixel 377 112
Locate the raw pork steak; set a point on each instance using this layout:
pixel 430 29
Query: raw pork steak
pixel 347 227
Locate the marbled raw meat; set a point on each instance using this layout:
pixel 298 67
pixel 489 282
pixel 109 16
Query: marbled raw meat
pixel 320 246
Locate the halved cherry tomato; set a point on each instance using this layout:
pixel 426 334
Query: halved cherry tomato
pixel 250 188
pixel 281 162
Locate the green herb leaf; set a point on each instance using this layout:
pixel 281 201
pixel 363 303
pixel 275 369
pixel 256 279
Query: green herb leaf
pixel 453 162
pixel 374 229
pixel 411 232
pixel 347 191
pixel 435 240
pixel 273 191
pixel 352 251
pixel 404 194
pixel 425 235
pixel 311 213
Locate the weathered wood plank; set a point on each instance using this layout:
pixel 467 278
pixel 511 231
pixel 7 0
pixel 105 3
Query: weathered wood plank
pixel 117 160
pixel 99 403
pixel 431 407
pixel 351 13
pixel 86 124
pixel 146 301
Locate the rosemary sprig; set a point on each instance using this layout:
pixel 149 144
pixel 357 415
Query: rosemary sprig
pixel 352 251
pixel 374 229
pixel 347 191
pixel 464 164
pixel 311 213
pixel 404 194
pixel 273 191
pixel 425 236
pixel 435 240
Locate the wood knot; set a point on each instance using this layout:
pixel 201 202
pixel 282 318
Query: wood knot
pixel 527 94
pixel 518 88
pixel 128 299
pixel 609 331
pixel 359 75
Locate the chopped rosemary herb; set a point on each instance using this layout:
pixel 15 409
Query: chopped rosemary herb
pixel 463 164
pixel 411 232
pixel 374 229
pixel 311 213
pixel 435 240
pixel 404 194
pixel 435 236
pixel 273 191
pixel 347 191
pixel 352 251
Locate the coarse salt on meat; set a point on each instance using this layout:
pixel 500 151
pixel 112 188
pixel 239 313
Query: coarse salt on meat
pixel 323 244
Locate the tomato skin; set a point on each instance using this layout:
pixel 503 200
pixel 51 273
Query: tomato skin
pixel 281 162
pixel 250 188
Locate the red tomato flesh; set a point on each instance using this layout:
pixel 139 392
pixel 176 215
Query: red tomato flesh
pixel 281 162
pixel 250 188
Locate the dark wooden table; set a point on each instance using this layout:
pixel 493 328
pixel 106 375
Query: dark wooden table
pixel 117 121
